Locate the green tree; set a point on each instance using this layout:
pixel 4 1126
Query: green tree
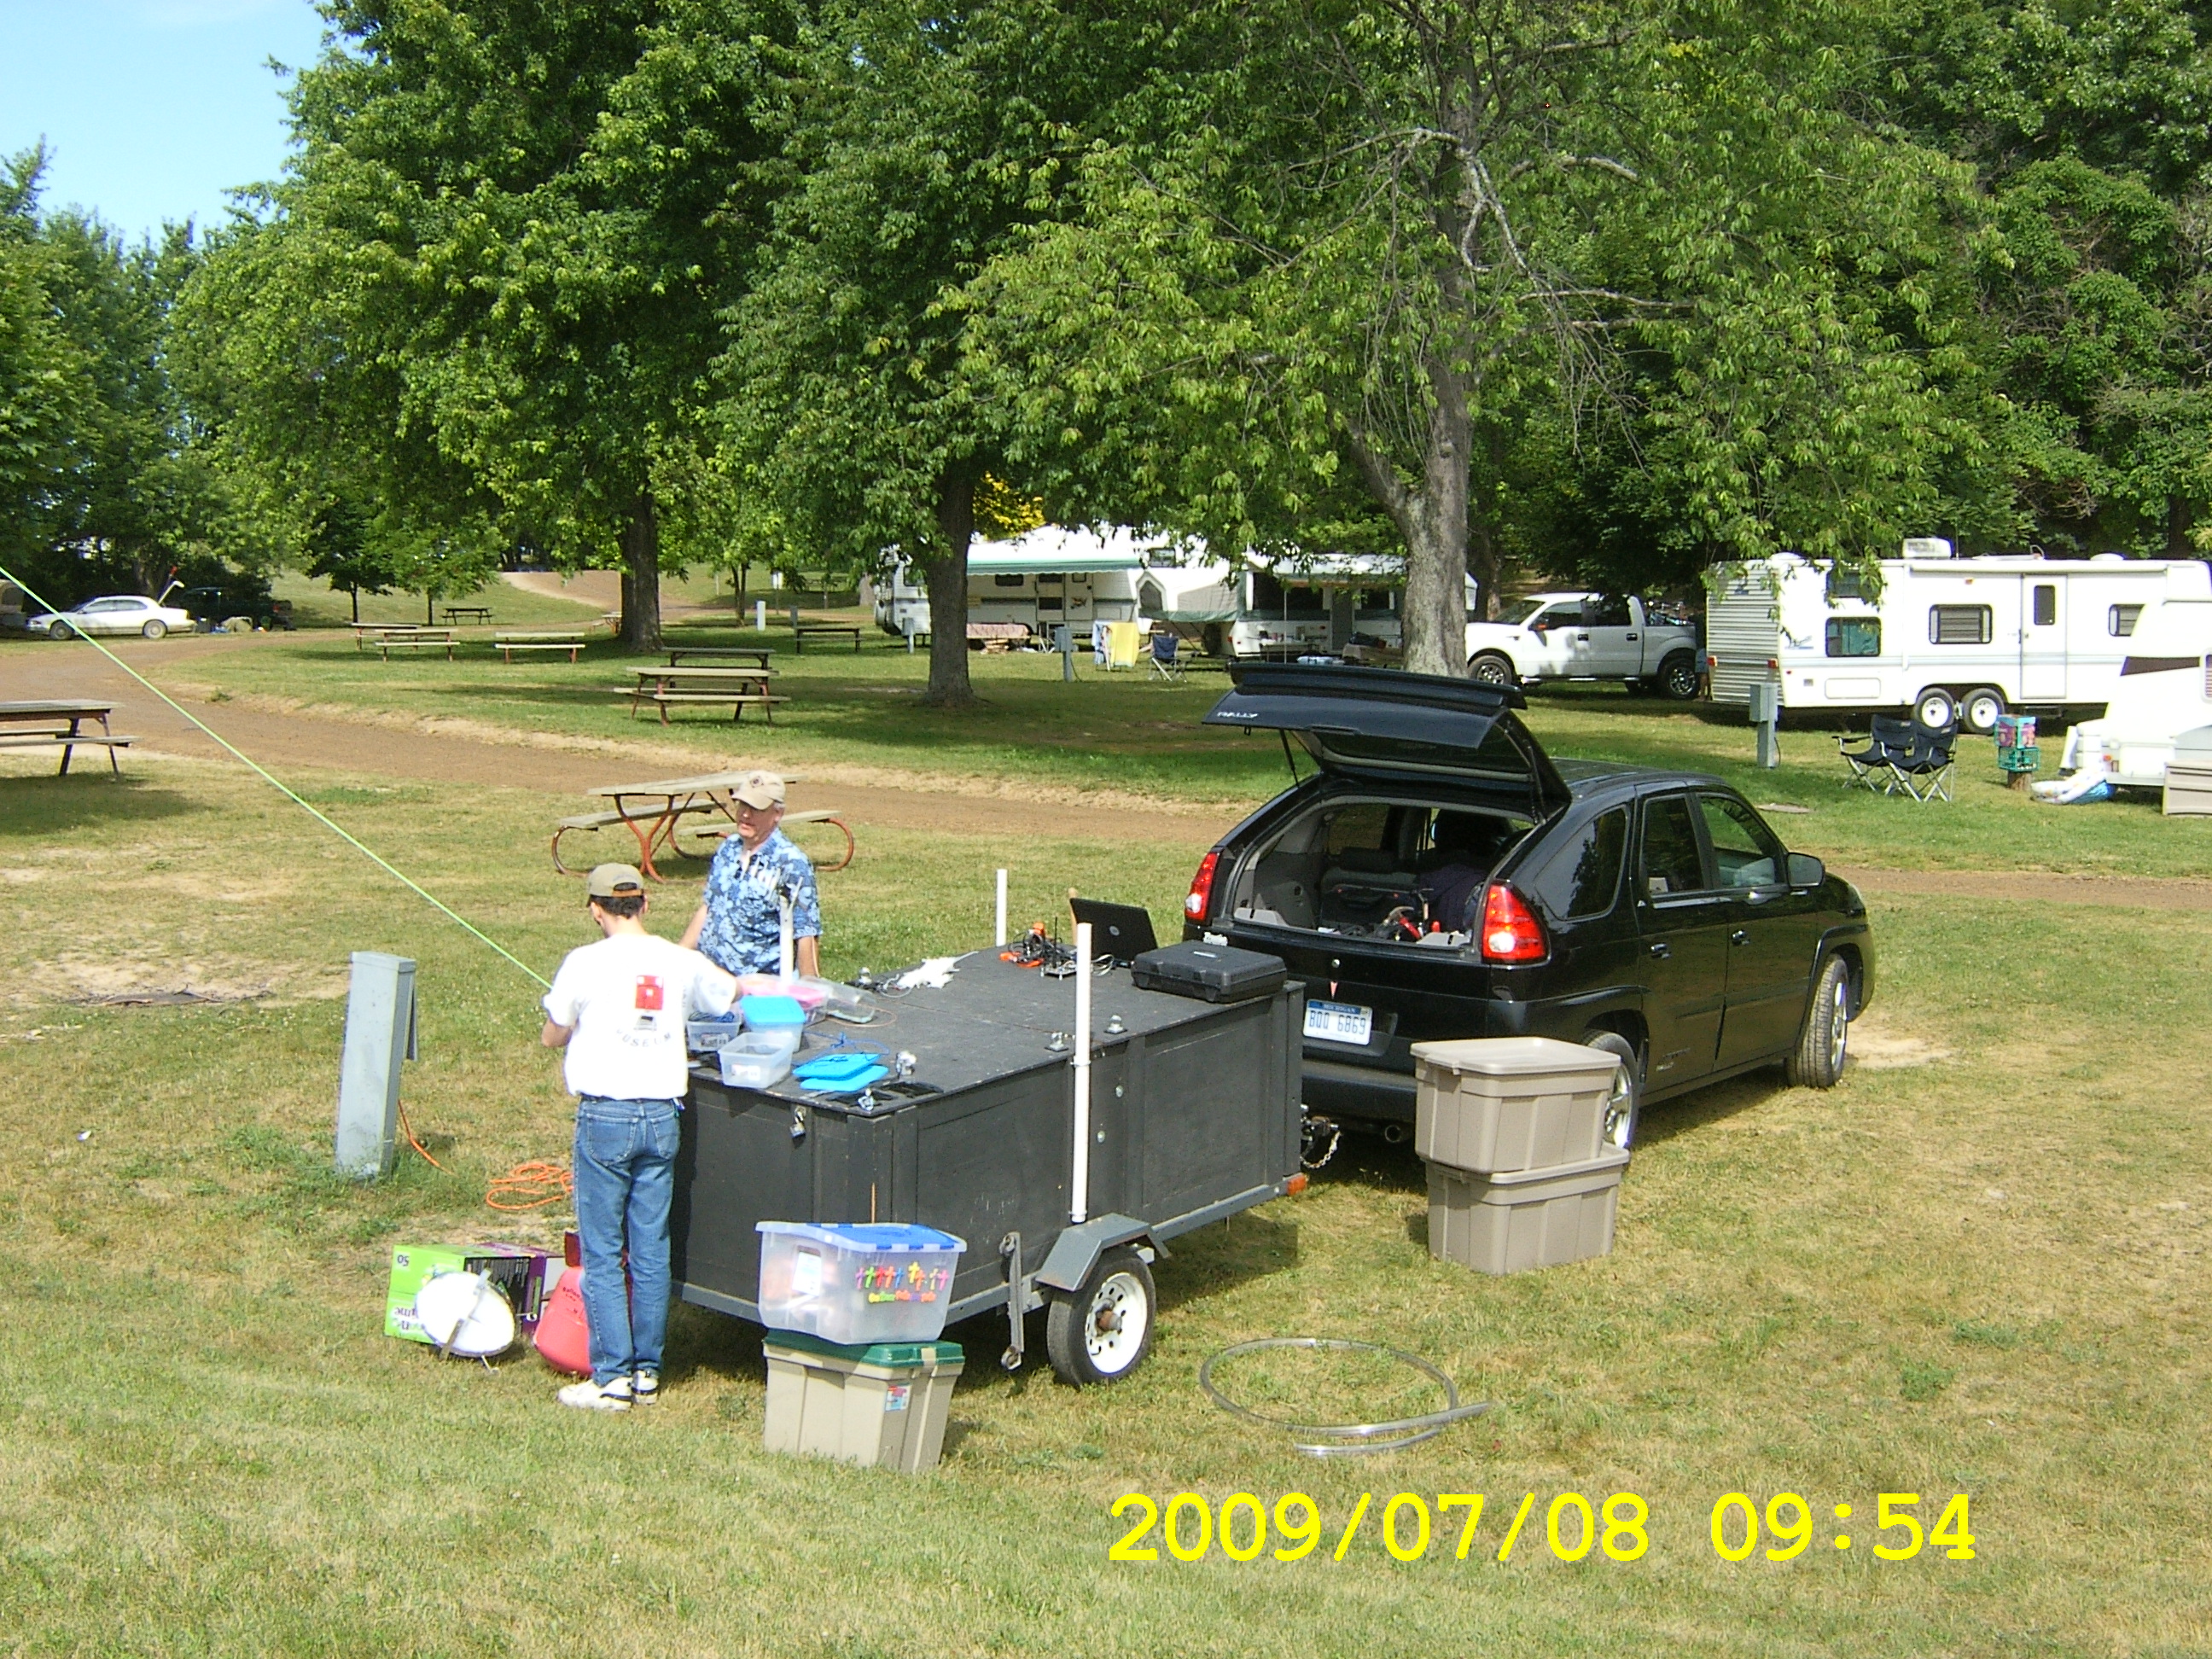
pixel 42 390
pixel 494 271
pixel 919 141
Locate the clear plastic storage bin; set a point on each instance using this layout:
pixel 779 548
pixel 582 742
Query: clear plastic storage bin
pixel 756 1060
pixel 857 1282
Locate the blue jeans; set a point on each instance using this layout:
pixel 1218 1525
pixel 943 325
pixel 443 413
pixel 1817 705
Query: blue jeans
pixel 625 1180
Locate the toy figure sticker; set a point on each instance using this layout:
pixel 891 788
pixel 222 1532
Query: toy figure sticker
pixel 887 1281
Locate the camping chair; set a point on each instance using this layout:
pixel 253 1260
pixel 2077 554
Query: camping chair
pixel 1923 771
pixel 1889 741
pixel 1165 663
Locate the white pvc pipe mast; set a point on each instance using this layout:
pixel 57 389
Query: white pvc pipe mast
pixel 1078 1185
pixel 786 951
pixel 1002 934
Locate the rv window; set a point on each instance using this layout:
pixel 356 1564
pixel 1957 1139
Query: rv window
pixel 1006 581
pixel 2046 604
pixel 1854 636
pixel 1051 602
pixel 1959 624
pixel 1845 585
pixel 2120 620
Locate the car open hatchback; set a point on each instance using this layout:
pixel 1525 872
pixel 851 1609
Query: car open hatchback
pixel 1437 875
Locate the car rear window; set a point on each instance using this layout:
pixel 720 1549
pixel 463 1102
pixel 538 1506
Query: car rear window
pixel 1583 876
pixel 1672 860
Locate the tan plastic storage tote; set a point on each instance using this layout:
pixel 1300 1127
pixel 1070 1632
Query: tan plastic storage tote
pixel 882 1404
pixel 1493 1105
pixel 1509 1223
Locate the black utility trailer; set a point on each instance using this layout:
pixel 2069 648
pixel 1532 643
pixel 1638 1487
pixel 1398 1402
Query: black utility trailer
pixel 1194 1115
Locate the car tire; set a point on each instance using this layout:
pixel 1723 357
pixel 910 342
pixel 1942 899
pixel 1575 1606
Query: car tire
pixel 1617 1128
pixel 1817 1061
pixel 61 631
pixel 1678 677
pixel 155 629
pixel 1104 1331
pixel 1491 668
pixel 1979 709
pixel 1936 708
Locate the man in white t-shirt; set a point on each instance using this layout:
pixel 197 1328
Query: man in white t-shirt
pixel 618 1008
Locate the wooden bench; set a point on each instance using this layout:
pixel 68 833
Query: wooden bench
pixel 806 631
pixel 673 687
pixel 568 640
pixel 412 638
pixel 69 743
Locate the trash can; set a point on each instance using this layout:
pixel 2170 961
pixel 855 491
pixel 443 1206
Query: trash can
pixel 1511 1223
pixel 1492 1105
pixel 2189 776
pixel 882 1404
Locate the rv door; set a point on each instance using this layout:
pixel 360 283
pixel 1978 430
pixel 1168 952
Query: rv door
pixel 2043 638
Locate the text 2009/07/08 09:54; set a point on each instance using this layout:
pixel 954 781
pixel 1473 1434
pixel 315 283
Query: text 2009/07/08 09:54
pixel 1618 1528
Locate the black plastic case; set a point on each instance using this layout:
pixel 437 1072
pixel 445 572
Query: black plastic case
pixel 1213 973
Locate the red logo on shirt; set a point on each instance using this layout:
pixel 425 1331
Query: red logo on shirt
pixel 648 992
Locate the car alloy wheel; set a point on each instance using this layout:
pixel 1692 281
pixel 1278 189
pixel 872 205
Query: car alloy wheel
pixel 1678 677
pixel 1491 668
pixel 155 629
pixel 1617 1127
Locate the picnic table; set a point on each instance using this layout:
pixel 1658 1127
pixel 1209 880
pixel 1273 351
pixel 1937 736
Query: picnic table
pixel 653 811
pixel 758 655
pixel 60 721
pixel 407 636
pixel 456 614
pixel 510 641
pixel 740 688
pixel 802 632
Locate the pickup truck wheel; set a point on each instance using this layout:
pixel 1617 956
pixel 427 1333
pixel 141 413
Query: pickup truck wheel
pixel 1104 1331
pixel 1491 668
pixel 1817 1061
pixel 1617 1129
pixel 1678 677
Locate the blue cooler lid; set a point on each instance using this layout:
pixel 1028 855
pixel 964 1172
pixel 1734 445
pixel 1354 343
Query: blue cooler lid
pixel 770 1012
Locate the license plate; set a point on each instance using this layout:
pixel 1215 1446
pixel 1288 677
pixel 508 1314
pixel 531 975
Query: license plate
pixel 1339 1022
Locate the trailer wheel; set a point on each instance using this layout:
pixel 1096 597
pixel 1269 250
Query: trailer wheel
pixel 1934 709
pixel 1979 709
pixel 1104 1331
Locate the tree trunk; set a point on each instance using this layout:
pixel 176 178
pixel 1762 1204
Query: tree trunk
pixel 1482 562
pixel 1433 520
pixel 945 574
pixel 641 579
pixel 2180 517
pixel 355 592
pixel 429 607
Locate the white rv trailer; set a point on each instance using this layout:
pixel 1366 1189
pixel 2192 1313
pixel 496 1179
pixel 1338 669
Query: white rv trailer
pixel 1039 579
pixel 1278 606
pixel 2165 688
pixel 1974 637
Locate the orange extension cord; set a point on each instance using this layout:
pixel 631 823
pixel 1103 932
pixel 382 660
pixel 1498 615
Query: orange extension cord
pixel 536 1182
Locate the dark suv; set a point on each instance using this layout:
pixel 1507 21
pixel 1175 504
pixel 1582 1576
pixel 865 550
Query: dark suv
pixel 1440 876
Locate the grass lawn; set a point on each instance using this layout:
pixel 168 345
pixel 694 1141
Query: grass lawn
pixel 1978 1268
pixel 857 718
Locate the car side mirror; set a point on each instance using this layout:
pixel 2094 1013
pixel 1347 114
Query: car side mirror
pixel 1805 871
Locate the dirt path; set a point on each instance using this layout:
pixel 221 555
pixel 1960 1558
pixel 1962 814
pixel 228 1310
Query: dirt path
pixel 288 743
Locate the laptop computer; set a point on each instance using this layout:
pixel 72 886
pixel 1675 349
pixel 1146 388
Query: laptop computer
pixel 1122 931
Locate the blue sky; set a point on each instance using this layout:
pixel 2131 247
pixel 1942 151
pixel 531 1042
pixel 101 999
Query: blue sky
pixel 151 108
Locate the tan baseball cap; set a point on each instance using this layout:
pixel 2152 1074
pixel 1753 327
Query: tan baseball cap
pixel 760 789
pixel 613 881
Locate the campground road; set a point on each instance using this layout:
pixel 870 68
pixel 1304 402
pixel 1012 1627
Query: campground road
pixel 288 743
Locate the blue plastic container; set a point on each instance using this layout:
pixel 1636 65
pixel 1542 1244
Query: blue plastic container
pixel 772 1013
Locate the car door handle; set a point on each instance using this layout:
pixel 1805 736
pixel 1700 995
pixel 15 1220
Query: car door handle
pixel 1662 949
pixel 1628 637
pixel 1740 937
pixel 1582 636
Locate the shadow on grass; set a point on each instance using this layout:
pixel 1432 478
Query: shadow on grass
pixel 37 807
pixel 1702 1107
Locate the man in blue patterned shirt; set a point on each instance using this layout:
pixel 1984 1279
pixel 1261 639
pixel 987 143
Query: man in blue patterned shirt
pixel 738 924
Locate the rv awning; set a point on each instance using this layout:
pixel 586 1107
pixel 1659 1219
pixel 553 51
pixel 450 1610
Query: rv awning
pixel 1053 549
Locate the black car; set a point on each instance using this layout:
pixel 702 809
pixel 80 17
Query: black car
pixel 1440 876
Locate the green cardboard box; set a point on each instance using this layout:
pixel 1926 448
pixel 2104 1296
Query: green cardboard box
pixel 522 1274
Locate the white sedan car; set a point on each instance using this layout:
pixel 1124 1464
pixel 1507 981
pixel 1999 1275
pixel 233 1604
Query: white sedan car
pixel 119 614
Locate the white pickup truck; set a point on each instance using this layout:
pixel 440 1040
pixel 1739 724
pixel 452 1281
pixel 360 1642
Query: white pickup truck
pixel 1584 636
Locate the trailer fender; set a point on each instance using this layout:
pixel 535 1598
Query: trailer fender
pixel 1077 1250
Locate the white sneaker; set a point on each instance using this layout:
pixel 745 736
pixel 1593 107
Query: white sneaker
pixel 645 1387
pixel 590 1396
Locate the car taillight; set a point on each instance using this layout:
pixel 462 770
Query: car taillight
pixel 1201 898
pixel 1511 932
